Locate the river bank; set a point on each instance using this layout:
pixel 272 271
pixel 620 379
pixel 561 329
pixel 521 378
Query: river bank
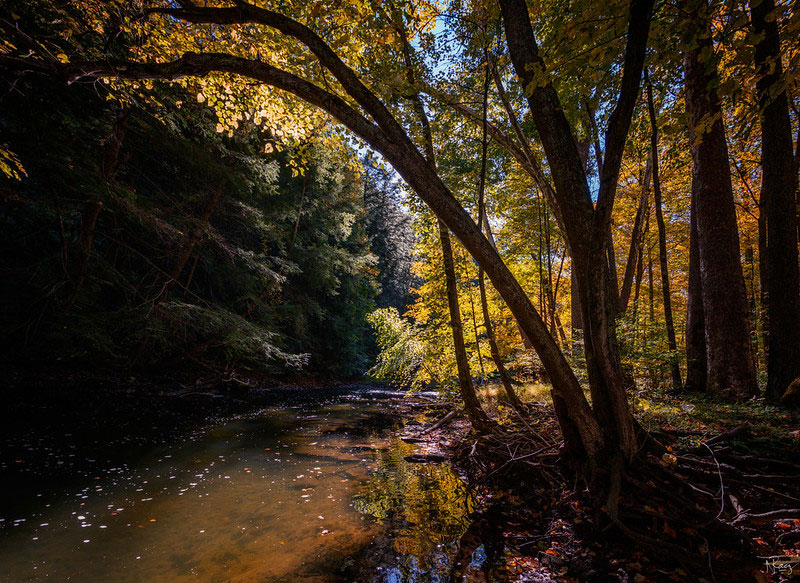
pixel 537 524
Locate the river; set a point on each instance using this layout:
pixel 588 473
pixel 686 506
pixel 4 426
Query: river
pixel 307 492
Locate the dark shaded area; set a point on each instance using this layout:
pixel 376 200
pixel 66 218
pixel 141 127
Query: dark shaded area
pixel 64 426
pixel 196 248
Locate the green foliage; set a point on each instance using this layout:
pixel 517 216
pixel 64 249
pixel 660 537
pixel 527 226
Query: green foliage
pixel 281 275
pixel 391 238
pixel 643 347
pixel 401 356
pixel 698 416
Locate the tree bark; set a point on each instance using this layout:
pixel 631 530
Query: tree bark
pixel 650 288
pixel 477 416
pixel 634 252
pixel 778 200
pixel 675 370
pixel 638 286
pixel 731 372
pixel 475 328
pixel 696 362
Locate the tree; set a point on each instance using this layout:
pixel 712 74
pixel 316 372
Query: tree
pixel 587 227
pixel 391 238
pixel 730 366
pixel 696 360
pixel 595 434
pixel 778 205
pixel 677 384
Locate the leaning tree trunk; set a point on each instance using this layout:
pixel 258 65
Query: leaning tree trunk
pixel 472 405
pixel 731 372
pixel 634 251
pixel 778 194
pixel 675 370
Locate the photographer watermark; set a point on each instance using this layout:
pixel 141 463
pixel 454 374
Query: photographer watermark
pixel 783 564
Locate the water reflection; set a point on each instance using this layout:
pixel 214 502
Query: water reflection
pixel 305 494
pixel 423 507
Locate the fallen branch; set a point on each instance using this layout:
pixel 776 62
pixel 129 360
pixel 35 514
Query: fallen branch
pixel 727 435
pixel 783 514
pixel 446 419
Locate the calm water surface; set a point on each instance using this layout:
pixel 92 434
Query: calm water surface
pixel 309 493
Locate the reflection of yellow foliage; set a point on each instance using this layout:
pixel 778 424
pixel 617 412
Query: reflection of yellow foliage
pixel 10 164
pixel 425 502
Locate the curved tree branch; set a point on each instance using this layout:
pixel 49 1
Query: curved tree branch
pixel 246 13
pixel 392 141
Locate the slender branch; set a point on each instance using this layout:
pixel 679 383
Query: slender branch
pixel 620 120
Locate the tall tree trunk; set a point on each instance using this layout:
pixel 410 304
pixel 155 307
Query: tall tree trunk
pixel 477 416
pixel 513 398
pixel 778 199
pixel 576 314
pixel 731 372
pixel 475 326
pixel 763 280
pixel 696 362
pixel 483 220
pixel 675 370
pixel 634 251
pixel 472 405
pixel 650 288
pixel 638 286
pixel 611 257
pixel 501 369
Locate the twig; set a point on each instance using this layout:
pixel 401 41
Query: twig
pixel 782 514
pixel 726 436
pixel 721 486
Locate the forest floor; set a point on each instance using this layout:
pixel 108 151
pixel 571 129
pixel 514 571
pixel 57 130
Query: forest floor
pixel 536 526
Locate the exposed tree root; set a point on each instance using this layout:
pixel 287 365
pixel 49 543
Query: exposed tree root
pixel 691 509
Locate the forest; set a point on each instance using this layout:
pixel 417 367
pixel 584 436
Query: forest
pixel 554 246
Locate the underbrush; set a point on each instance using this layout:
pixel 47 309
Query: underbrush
pixel 719 503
